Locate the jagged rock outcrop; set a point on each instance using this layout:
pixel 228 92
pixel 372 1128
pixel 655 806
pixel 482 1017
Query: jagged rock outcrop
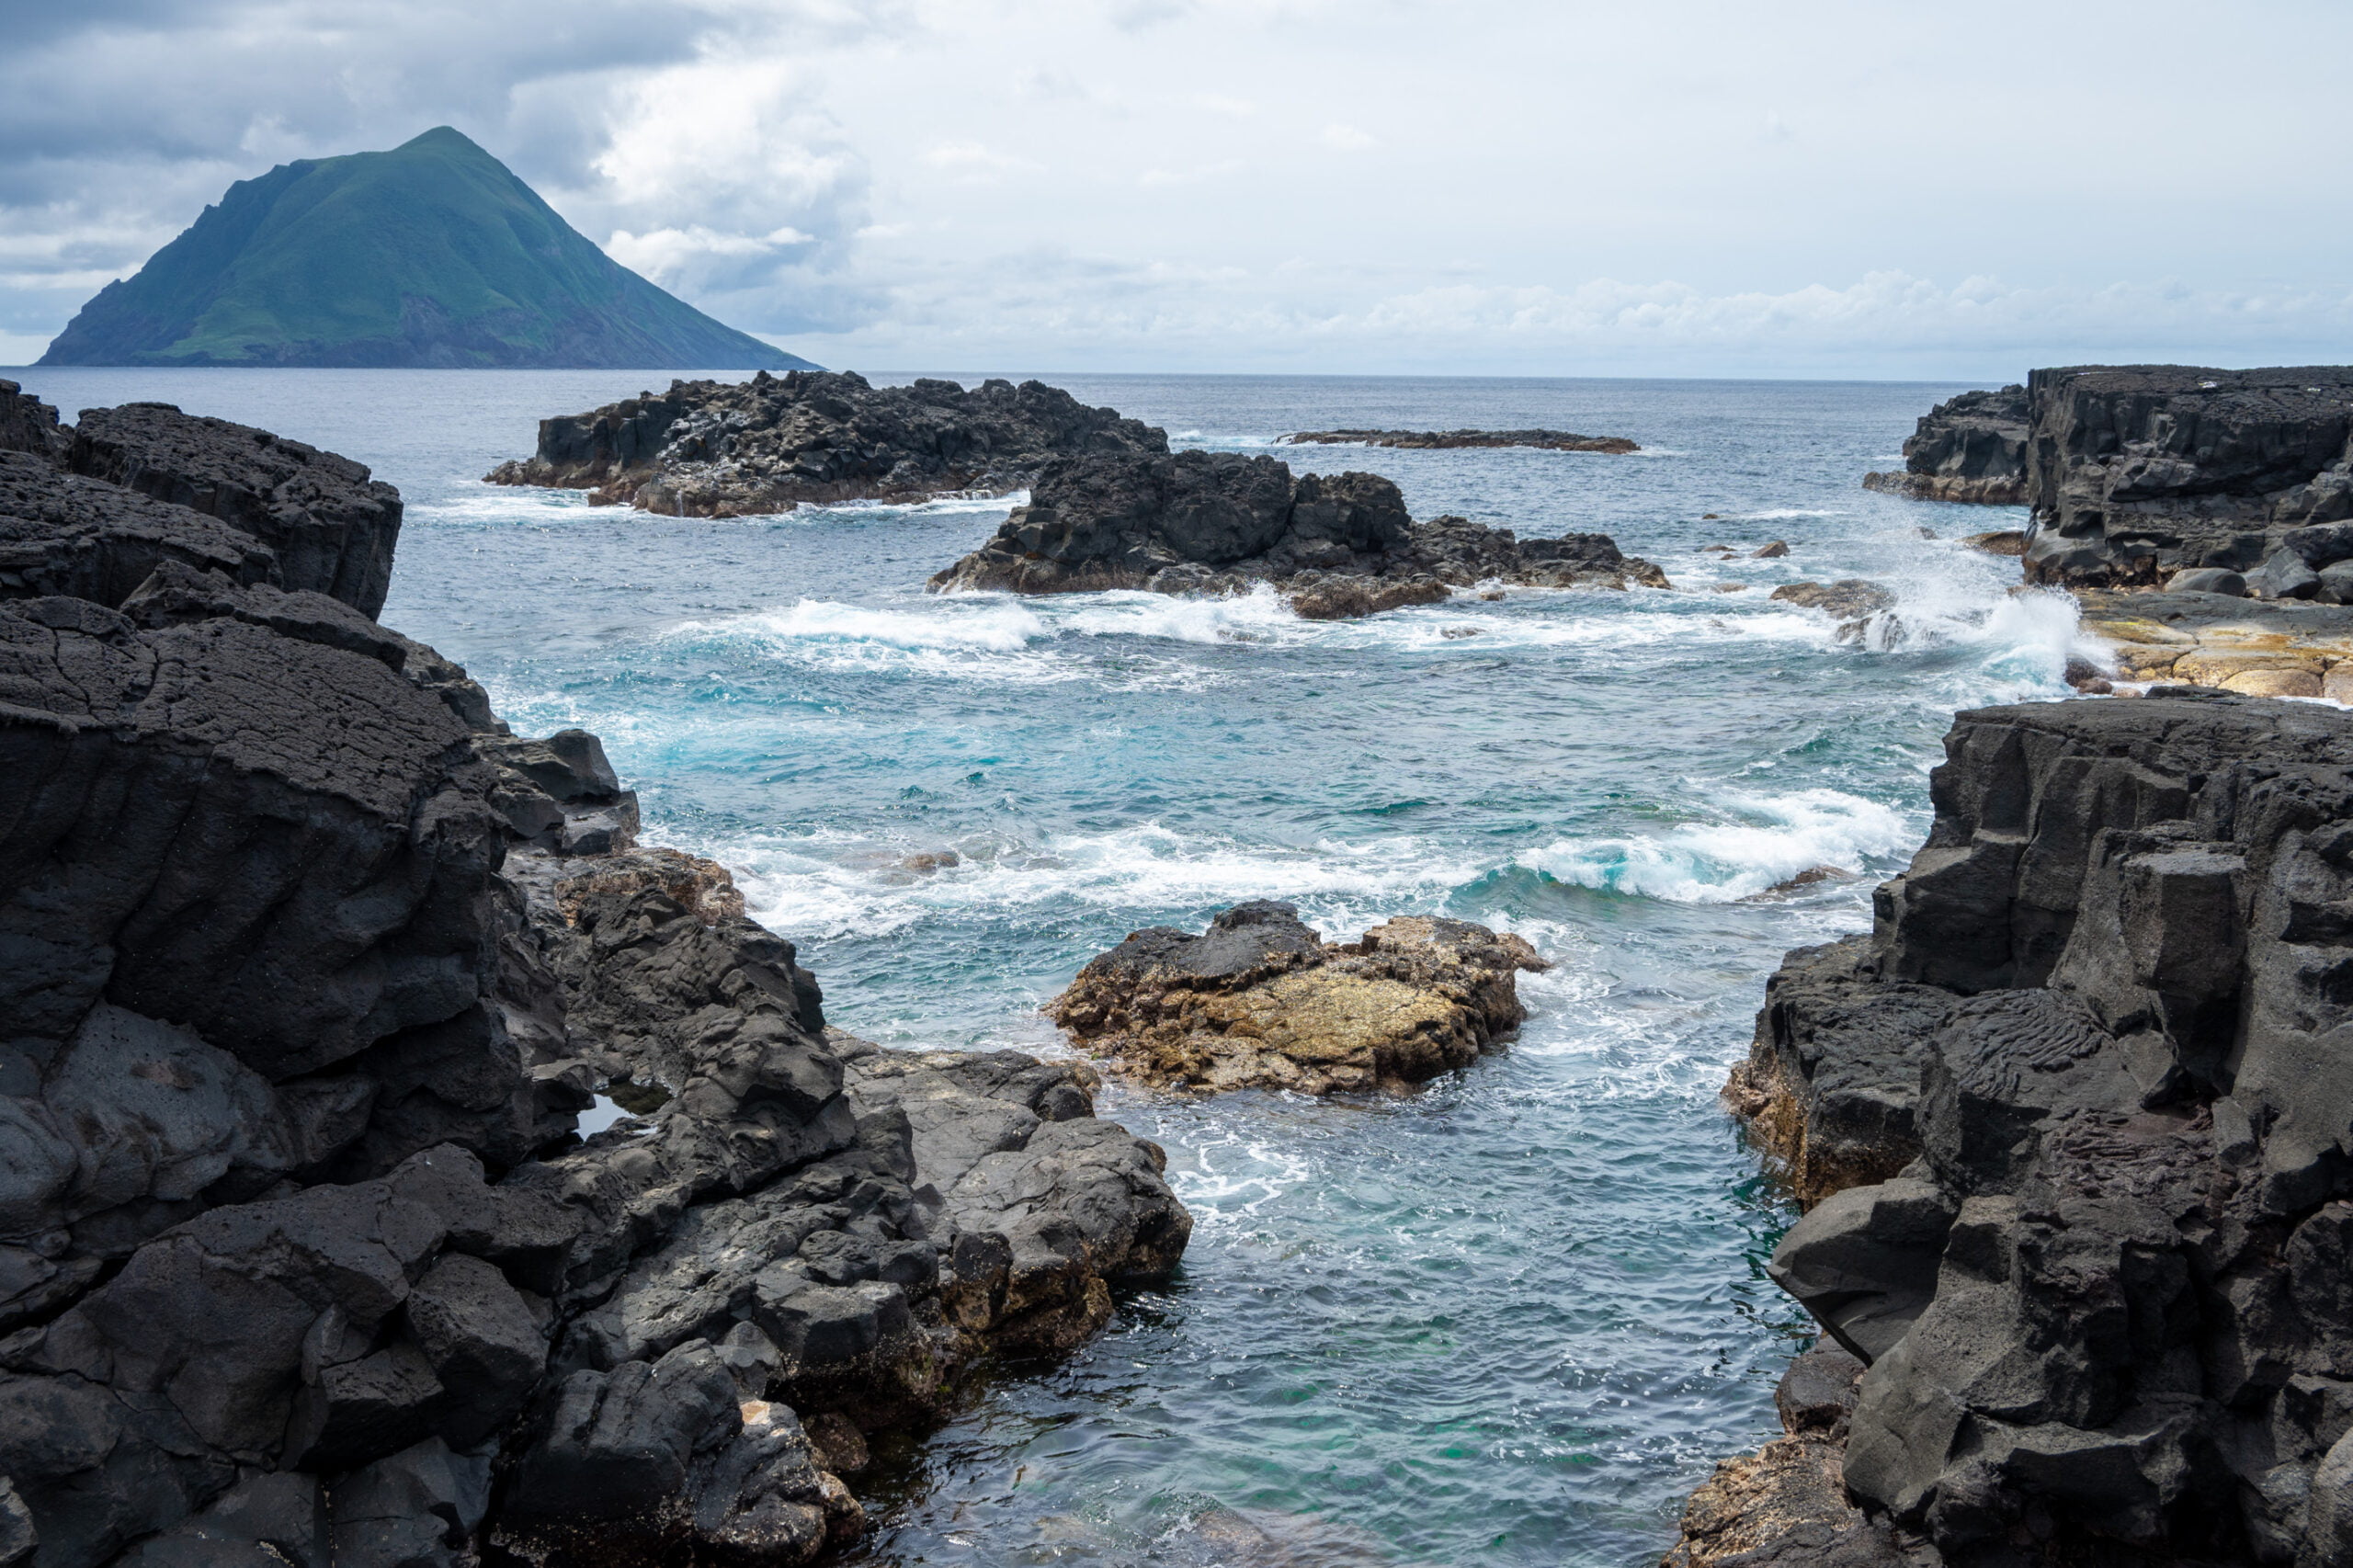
pixel 727 449
pixel 1441 440
pixel 308 968
pixel 2136 472
pixel 1971 447
pixel 2074 1122
pixel 1259 999
pixel 1336 545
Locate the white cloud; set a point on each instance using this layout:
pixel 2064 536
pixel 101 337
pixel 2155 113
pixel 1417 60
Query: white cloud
pixel 1348 138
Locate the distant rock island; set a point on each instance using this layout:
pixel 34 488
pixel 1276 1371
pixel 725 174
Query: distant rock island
pixel 432 255
pixel 1550 440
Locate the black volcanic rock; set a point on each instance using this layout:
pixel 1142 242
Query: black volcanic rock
pixel 308 967
pixel 28 425
pixel 1971 447
pixel 332 526
pixel 723 448
pixel 2102 1297
pixel 1337 545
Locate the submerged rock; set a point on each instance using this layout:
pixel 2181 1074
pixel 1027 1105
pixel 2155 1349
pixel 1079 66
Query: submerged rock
pixel 1850 601
pixel 1971 447
pixel 1337 545
pixel 727 449
pixel 1259 999
pixel 1430 440
pixel 2071 1123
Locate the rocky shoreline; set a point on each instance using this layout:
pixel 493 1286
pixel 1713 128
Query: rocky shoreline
pixel 313 969
pixel 1449 440
pixel 2070 1126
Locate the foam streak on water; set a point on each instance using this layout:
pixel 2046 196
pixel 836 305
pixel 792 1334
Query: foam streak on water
pixel 1509 1320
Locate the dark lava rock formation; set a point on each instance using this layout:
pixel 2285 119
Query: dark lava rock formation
pixel 1260 1000
pixel 2074 1125
pixel 2137 472
pixel 307 970
pixel 1971 448
pixel 727 449
pixel 1337 545
pixel 1432 440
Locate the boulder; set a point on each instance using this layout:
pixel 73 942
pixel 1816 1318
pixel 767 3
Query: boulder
pixel 1260 999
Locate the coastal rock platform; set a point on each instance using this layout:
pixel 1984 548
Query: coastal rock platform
pixel 1260 1000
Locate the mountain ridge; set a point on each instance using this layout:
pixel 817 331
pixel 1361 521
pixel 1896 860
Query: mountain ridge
pixel 431 255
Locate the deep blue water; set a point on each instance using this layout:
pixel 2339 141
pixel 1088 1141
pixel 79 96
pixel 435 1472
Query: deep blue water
pixel 1511 1319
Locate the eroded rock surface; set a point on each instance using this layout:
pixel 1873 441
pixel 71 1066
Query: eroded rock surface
pixel 1971 447
pixel 2073 1123
pixel 725 450
pixel 1259 999
pixel 308 969
pixel 1336 545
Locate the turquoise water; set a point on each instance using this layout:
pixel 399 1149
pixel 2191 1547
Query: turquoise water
pixel 1511 1319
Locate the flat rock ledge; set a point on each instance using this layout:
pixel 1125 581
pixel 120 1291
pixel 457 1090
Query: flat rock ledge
pixel 310 970
pixel 2281 647
pixel 2071 1126
pixel 1219 523
pixel 1260 1000
pixel 1441 440
pixel 815 438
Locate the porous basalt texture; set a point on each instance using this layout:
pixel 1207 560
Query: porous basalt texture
pixel 725 450
pixel 1445 440
pixel 1259 999
pixel 308 969
pixel 1336 545
pixel 1971 447
pixel 332 528
pixel 2099 1025
pixel 2136 472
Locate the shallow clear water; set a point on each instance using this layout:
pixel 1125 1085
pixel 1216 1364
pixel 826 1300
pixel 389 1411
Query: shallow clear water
pixel 1510 1320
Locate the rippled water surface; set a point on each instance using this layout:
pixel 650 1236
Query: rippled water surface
pixel 1510 1320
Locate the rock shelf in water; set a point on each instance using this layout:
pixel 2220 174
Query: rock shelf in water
pixel 308 968
pixel 1260 1000
pixel 811 438
pixel 1334 545
pixel 1433 440
pixel 2071 1124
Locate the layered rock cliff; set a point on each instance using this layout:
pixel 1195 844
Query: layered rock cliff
pixel 1336 545
pixel 1971 447
pixel 2073 1124
pixel 309 970
pixel 725 449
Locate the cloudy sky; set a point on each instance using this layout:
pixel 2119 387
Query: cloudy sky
pixel 1812 188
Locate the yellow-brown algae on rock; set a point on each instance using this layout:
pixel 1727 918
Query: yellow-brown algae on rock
pixel 1260 1000
pixel 2277 648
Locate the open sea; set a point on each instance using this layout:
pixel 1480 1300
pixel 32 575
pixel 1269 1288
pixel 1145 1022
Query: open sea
pixel 1510 1320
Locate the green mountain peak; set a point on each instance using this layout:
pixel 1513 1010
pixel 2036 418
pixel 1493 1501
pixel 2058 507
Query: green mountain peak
pixel 433 253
